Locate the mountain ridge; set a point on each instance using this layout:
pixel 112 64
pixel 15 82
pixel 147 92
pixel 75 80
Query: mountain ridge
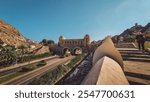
pixel 133 31
pixel 10 35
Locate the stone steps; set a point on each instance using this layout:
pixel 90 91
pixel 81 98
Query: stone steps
pixel 136 55
pixel 125 45
pixel 136 59
pixel 138 81
pixel 138 75
pixel 137 72
pixel 137 68
pixel 134 52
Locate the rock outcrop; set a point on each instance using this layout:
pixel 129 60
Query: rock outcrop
pixel 10 35
pixel 130 33
pixel 44 49
pixel 137 28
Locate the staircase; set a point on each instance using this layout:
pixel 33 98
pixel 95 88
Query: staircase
pixel 137 66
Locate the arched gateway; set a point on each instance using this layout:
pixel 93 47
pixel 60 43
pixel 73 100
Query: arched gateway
pixel 74 46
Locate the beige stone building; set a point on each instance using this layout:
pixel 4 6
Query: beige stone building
pixel 85 42
pixel 73 46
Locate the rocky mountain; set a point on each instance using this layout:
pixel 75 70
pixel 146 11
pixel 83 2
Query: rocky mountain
pixel 10 35
pixel 146 29
pixel 132 31
pixel 135 29
pixel 129 34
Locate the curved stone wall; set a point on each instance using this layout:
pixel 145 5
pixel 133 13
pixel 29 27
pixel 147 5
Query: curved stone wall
pixel 106 71
pixel 107 49
pixel 92 77
pixel 107 66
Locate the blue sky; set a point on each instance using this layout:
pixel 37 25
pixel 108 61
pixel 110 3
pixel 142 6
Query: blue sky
pixel 39 19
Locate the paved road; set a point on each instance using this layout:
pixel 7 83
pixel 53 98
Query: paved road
pixel 23 64
pixel 25 78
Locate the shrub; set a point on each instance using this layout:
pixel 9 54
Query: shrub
pixel 41 63
pixel 28 68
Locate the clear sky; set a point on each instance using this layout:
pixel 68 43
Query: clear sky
pixel 38 19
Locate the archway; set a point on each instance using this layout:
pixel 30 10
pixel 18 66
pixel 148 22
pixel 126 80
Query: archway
pixel 77 51
pixel 66 51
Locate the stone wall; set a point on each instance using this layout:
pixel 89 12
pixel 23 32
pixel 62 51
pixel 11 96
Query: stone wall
pixel 107 49
pixel 107 66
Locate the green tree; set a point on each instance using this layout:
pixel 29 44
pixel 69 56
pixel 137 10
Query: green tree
pixel 50 42
pixel 46 42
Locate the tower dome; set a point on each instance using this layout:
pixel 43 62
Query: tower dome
pixel 61 37
pixel 87 36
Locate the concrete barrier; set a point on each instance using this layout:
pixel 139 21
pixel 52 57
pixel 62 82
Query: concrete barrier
pixel 108 49
pixel 106 71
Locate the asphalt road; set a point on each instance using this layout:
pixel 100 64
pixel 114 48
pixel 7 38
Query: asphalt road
pixel 4 71
pixel 28 77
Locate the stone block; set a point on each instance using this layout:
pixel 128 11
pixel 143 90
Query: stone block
pixel 107 48
pixel 106 71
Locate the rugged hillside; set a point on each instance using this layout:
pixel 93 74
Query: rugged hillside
pixel 10 35
pixel 133 30
pixel 130 33
pixel 146 29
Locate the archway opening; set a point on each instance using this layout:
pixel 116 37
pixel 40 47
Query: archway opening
pixel 66 52
pixel 77 51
